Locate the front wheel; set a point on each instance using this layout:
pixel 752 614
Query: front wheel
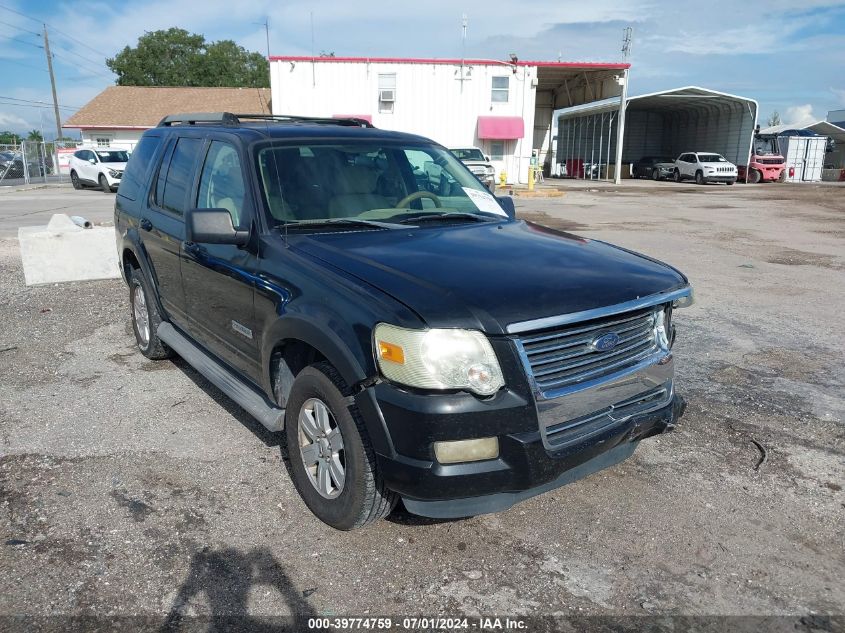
pixel 332 461
pixel 754 176
pixel 699 178
pixel 104 184
pixel 655 174
pixel 677 176
pixel 74 180
pixel 782 177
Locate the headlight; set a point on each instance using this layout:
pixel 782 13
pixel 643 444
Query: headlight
pixel 113 173
pixel 438 359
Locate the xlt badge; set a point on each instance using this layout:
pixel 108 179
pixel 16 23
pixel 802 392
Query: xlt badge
pixel 242 329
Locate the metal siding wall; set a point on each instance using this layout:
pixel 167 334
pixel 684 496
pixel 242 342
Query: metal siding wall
pixel 430 100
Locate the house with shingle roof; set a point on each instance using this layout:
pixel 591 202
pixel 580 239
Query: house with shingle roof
pixel 120 114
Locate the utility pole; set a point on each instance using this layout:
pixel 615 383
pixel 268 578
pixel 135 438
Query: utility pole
pixel 52 84
pixel 627 40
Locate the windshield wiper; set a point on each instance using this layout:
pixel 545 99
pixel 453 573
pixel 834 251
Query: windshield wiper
pixel 329 222
pixel 434 217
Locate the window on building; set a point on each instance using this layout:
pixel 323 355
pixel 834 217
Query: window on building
pixel 499 94
pixel 497 150
pixel 386 92
pixel 103 141
pixel 179 175
pixel 222 182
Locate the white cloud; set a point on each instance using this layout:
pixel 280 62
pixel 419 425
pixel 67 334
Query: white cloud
pixel 799 115
pixel 13 123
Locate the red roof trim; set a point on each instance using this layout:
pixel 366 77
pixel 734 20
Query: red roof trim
pixel 428 60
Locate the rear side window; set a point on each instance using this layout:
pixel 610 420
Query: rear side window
pixel 179 174
pixel 133 181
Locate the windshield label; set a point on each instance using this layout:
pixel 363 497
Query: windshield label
pixel 484 201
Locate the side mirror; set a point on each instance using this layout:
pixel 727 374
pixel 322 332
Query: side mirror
pixel 213 226
pixel 93 161
pixel 487 158
pixel 506 202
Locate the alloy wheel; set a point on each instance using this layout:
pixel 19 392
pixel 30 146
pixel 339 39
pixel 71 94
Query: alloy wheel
pixel 321 448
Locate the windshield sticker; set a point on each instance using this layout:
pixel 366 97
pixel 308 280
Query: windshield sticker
pixel 484 201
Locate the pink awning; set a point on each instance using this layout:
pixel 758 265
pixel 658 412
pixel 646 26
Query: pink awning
pixel 366 117
pixel 504 128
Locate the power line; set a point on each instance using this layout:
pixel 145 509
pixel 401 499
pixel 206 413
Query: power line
pixel 37 101
pixel 14 39
pixel 73 39
pixel 23 15
pixel 17 63
pixel 15 26
pixel 28 105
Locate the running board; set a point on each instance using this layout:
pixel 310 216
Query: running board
pixel 247 397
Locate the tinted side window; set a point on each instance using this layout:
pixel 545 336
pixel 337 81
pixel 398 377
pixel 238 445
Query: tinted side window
pixel 179 175
pixel 222 182
pixel 133 180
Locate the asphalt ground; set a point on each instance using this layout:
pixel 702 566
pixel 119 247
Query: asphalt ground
pixel 134 488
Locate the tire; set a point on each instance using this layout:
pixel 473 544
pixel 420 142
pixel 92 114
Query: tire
pixel 754 176
pixel 655 174
pixel 782 177
pixel 360 497
pixel 74 180
pixel 140 304
pixel 730 182
pixel 699 178
pixel 677 175
pixel 104 184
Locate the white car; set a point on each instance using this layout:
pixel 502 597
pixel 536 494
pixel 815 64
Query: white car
pixel 704 167
pixel 100 167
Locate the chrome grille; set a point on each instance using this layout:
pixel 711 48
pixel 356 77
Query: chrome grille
pixel 563 356
pixel 577 430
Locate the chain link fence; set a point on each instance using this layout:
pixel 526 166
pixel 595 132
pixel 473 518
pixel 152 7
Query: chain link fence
pixel 35 162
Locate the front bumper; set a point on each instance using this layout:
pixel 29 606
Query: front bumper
pixel 533 456
pixel 720 178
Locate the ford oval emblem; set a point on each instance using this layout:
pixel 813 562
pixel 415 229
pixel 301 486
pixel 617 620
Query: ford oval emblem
pixel 605 342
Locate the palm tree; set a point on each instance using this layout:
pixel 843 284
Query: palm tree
pixel 34 135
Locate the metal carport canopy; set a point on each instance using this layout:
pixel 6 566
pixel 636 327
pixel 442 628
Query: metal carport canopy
pixel 684 119
pixel 690 119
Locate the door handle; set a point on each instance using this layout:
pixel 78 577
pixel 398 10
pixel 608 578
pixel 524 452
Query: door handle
pixel 191 247
pixel 146 224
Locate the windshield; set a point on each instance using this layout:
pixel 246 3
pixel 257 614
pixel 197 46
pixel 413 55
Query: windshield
pixel 711 158
pixel 312 183
pixel 468 154
pixel 113 156
pixel 765 146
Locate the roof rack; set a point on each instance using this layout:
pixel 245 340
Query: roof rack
pixel 227 118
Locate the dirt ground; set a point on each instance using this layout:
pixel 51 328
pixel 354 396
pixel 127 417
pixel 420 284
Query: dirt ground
pixel 131 487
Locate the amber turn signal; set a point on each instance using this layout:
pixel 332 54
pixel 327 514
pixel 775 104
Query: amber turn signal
pixel 391 352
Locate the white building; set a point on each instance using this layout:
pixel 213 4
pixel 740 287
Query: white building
pixel 505 108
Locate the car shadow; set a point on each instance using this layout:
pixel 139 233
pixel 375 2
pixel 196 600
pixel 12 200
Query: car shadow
pixel 231 407
pixel 226 578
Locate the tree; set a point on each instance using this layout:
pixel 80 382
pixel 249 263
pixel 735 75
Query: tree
pixel 34 135
pixel 774 119
pixel 177 58
pixel 9 138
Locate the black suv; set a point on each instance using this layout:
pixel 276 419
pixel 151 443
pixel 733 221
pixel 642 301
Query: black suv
pixel 361 290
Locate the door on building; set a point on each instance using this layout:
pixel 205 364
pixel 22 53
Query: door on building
pixel 499 154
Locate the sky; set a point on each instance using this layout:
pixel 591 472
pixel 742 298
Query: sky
pixel 788 55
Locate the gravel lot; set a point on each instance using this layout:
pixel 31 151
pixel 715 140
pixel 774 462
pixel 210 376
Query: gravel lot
pixel 131 487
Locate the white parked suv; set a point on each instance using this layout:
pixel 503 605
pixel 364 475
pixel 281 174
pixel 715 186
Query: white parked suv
pixel 704 167
pixel 101 167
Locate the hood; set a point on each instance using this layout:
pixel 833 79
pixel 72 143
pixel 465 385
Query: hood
pixel 719 164
pixel 487 276
pixel 115 166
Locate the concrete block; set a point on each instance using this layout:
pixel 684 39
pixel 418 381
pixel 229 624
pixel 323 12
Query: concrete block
pixel 63 251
